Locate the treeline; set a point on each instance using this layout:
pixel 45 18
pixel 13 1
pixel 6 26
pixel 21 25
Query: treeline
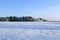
pixel 24 18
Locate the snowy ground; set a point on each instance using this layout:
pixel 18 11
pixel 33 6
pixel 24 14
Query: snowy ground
pixel 29 31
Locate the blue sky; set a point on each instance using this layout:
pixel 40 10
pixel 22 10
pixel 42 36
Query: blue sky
pixel 35 8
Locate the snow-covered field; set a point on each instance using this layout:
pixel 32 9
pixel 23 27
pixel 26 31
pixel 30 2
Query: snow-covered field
pixel 29 30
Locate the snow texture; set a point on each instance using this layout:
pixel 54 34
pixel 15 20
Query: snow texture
pixel 29 31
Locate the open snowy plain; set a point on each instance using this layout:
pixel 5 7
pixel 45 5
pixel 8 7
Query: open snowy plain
pixel 29 30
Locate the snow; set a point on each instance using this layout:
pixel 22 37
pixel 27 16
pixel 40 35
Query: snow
pixel 29 31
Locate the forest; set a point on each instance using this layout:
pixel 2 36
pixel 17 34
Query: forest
pixel 22 19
